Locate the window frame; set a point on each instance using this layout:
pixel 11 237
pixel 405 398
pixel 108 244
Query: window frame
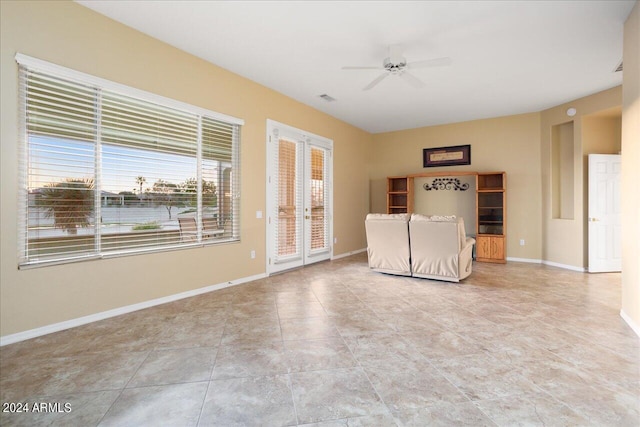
pixel 26 64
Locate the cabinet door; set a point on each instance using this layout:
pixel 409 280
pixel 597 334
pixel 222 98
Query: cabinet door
pixel 497 248
pixel 490 249
pixel 483 247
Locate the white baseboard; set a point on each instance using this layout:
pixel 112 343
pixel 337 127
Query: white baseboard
pixel 633 325
pixel 67 324
pixel 358 251
pixel 529 260
pixel 565 266
pixel 550 263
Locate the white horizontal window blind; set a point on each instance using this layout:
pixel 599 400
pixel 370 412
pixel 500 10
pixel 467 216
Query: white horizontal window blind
pixel 319 193
pixel 289 187
pixel 220 179
pixel 108 170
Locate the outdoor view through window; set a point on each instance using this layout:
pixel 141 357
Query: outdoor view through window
pixel 107 173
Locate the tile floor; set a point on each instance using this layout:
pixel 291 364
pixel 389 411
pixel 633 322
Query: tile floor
pixel 335 345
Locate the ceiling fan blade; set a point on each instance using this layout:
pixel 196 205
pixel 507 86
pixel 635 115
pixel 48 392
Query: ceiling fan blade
pixel 412 80
pixel 377 80
pixel 361 68
pixel 437 62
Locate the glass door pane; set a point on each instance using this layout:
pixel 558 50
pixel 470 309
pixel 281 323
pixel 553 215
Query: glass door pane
pixel 490 213
pixel 318 235
pixel 289 200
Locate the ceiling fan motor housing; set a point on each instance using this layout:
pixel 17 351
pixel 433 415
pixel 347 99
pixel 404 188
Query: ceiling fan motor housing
pixel 394 65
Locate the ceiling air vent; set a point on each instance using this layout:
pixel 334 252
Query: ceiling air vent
pixel 327 97
pixel 618 68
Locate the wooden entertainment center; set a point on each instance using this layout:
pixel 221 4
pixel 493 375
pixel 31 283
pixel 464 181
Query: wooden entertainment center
pixel 491 208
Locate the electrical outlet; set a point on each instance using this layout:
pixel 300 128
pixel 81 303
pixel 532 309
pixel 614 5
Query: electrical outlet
pixel 258 214
pixel 521 242
pixel 253 254
pixel 335 240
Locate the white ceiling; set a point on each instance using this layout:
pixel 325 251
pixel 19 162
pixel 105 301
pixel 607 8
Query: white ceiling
pixel 509 57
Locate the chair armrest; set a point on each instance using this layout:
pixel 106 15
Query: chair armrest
pixel 466 259
pixel 469 242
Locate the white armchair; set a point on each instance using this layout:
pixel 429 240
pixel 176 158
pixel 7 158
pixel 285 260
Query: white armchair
pixel 388 243
pixel 439 248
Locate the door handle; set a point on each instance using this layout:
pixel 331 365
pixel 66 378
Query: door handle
pixel 307 217
pixel 593 220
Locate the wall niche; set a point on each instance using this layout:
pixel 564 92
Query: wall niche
pixel 562 171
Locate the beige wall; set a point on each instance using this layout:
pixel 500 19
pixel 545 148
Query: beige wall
pixel 519 145
pixel 564 239
pixel 70 35
pixel 447 202
pixel 631 170
pixel 602 132
pixel 510 144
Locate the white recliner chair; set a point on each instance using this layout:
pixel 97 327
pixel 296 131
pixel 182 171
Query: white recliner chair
pixel 388 243
pixel 439 248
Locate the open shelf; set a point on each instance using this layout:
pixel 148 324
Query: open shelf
pixel 399 198
pixel 491 217
pixel 490 181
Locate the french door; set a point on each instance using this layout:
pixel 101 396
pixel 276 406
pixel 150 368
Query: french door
pixel 299 196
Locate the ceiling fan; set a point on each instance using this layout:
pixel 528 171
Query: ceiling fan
pixel 396 64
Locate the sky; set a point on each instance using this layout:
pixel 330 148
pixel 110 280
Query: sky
pixel 53 160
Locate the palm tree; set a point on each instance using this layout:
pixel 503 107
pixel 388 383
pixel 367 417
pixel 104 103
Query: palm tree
pixel 69 202
pixel 140 180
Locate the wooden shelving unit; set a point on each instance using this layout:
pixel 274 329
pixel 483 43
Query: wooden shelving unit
pixel 491 217
pixel 399 194
pixel 491 208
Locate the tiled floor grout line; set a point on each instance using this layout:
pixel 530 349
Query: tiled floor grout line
pixel 545 357
pixel 288 373
pixel 213 364
pixel 293 399
pixel 364 371
pixel 123 389
pixel 204 400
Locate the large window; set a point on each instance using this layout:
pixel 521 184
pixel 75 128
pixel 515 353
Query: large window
pixel 109 170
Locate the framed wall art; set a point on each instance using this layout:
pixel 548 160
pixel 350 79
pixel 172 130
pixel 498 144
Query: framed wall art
pixel 446 156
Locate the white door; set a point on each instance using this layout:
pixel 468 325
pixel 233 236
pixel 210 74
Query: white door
pixel 299 195
pixel 605 248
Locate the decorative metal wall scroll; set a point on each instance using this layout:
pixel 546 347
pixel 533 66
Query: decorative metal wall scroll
pixel 446 184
